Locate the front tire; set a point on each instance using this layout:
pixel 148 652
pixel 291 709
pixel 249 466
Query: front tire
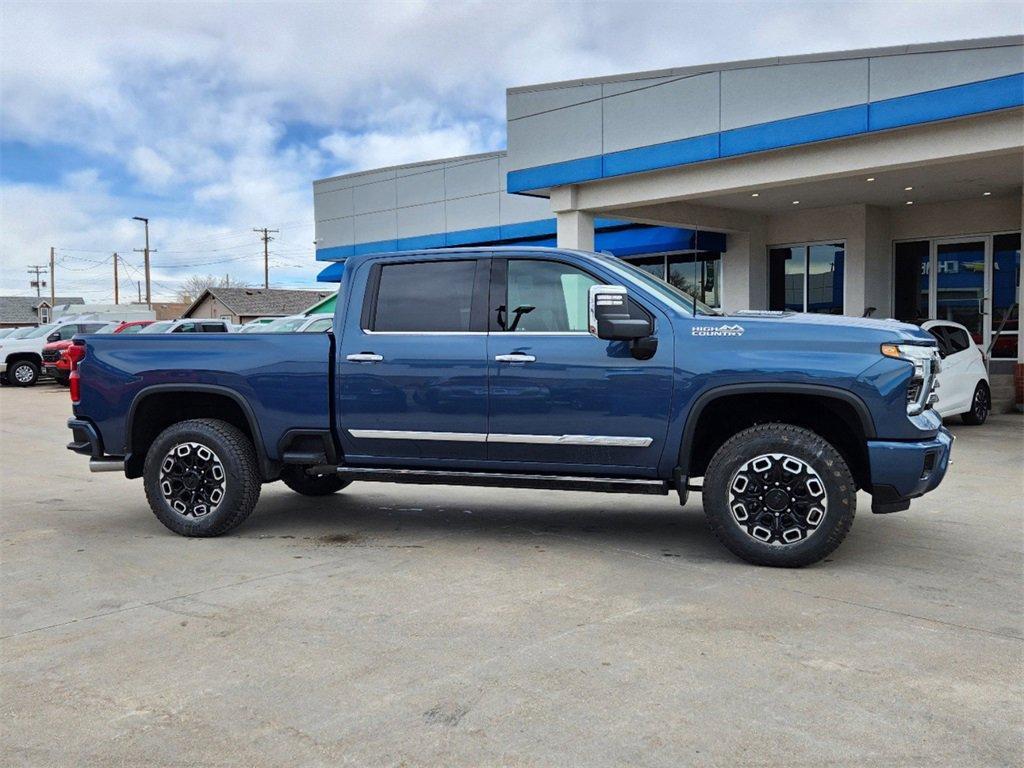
pixel 201 477
pixel 779 495
pixel 295 477
pixel 981 406
pixel 23 373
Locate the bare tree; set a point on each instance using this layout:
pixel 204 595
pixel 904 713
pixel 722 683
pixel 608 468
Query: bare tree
pixel 192 287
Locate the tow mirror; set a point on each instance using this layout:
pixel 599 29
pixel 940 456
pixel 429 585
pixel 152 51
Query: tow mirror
pixel 609 315
pixel 55 336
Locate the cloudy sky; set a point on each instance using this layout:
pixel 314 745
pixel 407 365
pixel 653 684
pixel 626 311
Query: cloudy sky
pixel 212 119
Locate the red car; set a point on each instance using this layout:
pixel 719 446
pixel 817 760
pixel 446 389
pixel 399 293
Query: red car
pixel 55 361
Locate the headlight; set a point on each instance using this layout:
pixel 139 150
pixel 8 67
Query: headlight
pixel 925 359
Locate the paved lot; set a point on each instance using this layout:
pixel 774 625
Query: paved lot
pixel 395 625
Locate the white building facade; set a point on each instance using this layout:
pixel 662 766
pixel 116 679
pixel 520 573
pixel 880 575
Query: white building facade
pixel 884 182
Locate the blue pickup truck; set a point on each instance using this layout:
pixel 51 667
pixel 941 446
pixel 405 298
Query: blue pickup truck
pixel 529 368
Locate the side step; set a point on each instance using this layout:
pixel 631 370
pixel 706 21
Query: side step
pixel 501 480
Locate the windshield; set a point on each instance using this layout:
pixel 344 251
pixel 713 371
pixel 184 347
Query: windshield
pixel 666 291
pixel 134 328
pixel 253 327
pixel 284 325
pixel 21 333
pixel 42 330
pixel 108 328
pixel 160 327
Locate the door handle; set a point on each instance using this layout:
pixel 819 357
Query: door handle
pixel 517 357
pixel 365 357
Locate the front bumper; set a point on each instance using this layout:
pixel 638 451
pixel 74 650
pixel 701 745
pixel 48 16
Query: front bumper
pixel 3 368
pixel 901 471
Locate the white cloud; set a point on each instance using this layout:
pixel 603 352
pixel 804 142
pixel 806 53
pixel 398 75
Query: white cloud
pixel 149 167
pixel 188 106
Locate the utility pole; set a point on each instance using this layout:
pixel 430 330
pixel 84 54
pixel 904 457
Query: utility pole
pixel 53 280
pixel 266 253
pixel 138 284
pixel 116 283
pixel 38 283
pixel 146 251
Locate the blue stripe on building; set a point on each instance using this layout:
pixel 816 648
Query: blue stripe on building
pixel 616 237
pixel 940 104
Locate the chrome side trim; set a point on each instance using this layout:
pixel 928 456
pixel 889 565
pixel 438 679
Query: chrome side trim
pixel 620 442
pixel 481 437
pixel 423 333
pixel 402 434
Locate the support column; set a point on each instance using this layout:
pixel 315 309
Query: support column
pixel 575 230
pixel 745 270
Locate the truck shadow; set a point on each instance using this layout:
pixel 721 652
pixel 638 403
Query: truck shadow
pixel 366 516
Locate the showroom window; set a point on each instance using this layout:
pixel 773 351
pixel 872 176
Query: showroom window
pixel 698 274
pixel 969 279
pixel 806 277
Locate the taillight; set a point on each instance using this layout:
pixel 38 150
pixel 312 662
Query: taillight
pixel 75 353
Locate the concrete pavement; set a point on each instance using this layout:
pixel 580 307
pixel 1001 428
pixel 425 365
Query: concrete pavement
pixel 416 626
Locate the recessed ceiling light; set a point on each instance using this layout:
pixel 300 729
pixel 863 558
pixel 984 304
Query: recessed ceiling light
pixel 870 178
pixel 986 194
pixel 758 194
pixel 910 202
pixel 796 202
pixel 907 189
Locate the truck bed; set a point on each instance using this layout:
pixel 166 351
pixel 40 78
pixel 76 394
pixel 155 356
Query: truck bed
pixel 283 378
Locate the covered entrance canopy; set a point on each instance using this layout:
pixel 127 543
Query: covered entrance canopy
pixel 884 182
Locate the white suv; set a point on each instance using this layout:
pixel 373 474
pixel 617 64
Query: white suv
pixel 963 380
pixel 21 358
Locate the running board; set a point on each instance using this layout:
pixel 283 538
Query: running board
pixel 500 480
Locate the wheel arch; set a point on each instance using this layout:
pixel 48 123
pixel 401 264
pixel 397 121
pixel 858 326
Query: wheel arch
pixel 178 402
pixel 847 406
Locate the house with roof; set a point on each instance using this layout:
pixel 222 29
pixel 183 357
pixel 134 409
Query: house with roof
pixel 241 305
pixel 16 311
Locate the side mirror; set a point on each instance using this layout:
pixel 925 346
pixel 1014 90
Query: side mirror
pixel 609 315
pixel 55 336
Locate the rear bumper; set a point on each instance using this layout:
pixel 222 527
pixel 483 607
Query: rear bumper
pixel 901 471
pixel 86 440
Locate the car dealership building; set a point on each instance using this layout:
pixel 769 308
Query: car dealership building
pixel 883 182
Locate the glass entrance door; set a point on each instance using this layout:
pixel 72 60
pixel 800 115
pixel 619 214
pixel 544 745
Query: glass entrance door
pixel 959 284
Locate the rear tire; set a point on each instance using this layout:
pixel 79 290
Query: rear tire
pixel 779 495
pixel 981 406
pixel 23 373
pixel 295 477
pixel 202 477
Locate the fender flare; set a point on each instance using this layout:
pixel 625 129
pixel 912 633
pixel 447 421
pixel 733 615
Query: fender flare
pixel 708 396
pixel 267 468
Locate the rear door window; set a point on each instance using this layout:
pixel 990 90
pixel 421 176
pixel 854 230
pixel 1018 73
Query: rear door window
pixel 213 327
pixel 422 297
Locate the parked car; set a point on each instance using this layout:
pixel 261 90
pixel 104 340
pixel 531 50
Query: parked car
pixel 56 362
pixel 188 325
pixel 633 387
pixel 256 326
pixel 963 386
pixel 297 324
pixel 21 359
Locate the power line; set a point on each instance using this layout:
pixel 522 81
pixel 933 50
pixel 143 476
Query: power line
pixel 37 269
